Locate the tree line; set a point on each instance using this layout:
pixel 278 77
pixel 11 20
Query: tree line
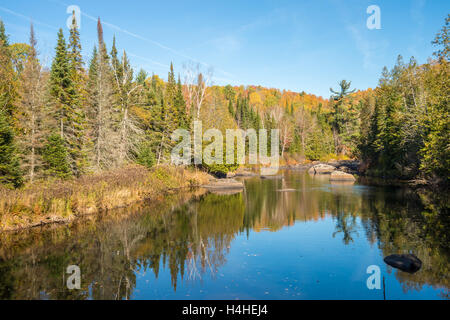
pixel 74 119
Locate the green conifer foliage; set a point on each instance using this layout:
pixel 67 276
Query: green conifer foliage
pixel 55 157
pixel 10 173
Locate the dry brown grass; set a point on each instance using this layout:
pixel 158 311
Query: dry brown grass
pixel 60 201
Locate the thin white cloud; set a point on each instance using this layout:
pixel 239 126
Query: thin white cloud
pixel 363 46
pixel 27 18
pixel 139 37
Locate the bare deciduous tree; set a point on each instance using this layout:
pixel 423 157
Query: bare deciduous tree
pixel 196 83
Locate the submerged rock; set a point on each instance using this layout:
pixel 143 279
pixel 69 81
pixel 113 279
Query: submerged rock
pixel 268 176
pixel 245 174
pixel 321 169
pixel 224 184
pixel 341 176
pixel 226 192
pixel 405 262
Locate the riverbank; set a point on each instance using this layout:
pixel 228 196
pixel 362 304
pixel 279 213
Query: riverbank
pixel 57 201
pixel 359 170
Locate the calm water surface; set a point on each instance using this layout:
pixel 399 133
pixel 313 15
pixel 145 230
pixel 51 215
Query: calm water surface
pixel 313 241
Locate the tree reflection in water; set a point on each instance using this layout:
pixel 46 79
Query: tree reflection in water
pixel 192 239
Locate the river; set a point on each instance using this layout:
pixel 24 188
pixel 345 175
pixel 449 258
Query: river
pixel 300 237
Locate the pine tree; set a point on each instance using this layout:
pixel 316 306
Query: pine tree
pixel 180 104
pixel 65 84
pixel 61 86
pixel 340 116
pixel 75 57
pixel 145 156
pixel 79 143
pixel 10 173
pixel 8 85
pixel 3 36
pixel 55 157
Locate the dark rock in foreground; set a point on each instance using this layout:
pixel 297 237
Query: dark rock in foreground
pixel 405 262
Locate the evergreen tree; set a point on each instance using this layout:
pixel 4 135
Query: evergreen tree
pixel 8 85
pixel 343 127
pixel 180 104
pixel 10 173
pixel 61 87
pixel 55 157
pixel 79 143
pixel 145 156
pixel 3 36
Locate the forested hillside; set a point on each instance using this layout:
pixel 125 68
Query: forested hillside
pixel 80 117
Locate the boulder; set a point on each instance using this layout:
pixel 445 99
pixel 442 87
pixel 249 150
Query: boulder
pixel 341 176
pixel 405 262
pixel 231 174
pixel 321 169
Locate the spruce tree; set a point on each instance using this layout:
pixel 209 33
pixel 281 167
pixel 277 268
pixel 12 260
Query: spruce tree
pixel 55 157
pixel 8 85
pixel 3 35
pixel 180 104
pixel 10 173
pixel 79 143
pixel 61 86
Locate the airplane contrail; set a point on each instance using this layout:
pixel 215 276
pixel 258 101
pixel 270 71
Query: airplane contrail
pixel 27 18
pixel 56 28
pixel 137 36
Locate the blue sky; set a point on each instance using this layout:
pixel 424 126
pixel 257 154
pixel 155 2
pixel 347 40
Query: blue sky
pixel 295 45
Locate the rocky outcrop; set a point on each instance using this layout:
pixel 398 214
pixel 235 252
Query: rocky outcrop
pixel 322 168
pixel 341 176
pixel 405 262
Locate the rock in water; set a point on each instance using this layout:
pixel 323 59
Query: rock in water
pixel 405 262
pixel 224 184
pixel 279 176
pixel 341 176
pixel 321 169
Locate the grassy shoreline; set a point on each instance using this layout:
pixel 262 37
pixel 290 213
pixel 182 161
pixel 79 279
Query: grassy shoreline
pixel 56 201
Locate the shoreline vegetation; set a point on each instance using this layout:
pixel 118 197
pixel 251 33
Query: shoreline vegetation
pixel 78 138
pixel 58 201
